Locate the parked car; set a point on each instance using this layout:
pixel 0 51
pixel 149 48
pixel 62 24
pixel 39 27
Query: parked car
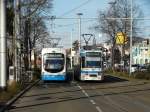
pixel 143 68
pixel 135 67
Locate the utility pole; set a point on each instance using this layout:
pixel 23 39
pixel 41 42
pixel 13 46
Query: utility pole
pixel 52 24
pixel 131 37
pixel 16 37
pixel 113 39
pixel 71 48
pixel 2 44
pixel 26 39
pixel 79 15
pixel 73 77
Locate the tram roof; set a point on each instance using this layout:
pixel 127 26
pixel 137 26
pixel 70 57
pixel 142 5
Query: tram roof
pixel 53 50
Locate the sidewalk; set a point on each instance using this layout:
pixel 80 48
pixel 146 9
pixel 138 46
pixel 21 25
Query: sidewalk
pixel 5 105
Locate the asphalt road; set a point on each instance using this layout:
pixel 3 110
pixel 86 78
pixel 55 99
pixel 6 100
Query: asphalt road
pixel 111 95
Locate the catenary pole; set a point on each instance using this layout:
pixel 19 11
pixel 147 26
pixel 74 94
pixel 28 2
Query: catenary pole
pixel 71 47
pixel 113 39
pixel 2 44
pixel 131 37
pixel 17 36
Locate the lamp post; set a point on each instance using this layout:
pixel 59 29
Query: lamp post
pixel 79 15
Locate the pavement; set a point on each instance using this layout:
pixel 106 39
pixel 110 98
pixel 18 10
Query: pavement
pixel 111 95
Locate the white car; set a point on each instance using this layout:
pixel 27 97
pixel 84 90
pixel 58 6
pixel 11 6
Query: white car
pixel 134 68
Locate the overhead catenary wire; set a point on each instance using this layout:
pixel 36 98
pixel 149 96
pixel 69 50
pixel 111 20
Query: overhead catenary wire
pixel 70 11
pixel 67 25
pixel 60 17
pixel 109 18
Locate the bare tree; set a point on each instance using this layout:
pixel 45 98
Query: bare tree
pixel 33 25
pixel 36 7
pixel 117 19
pixel 76 45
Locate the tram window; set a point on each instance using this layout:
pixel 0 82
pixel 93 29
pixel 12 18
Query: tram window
pixel 54 62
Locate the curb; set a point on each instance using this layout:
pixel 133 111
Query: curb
pixel 11 101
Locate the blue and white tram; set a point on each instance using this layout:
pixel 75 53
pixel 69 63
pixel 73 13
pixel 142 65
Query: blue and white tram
pixel 91 65
pixel 53 64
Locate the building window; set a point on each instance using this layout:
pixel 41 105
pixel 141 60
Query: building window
pixel 141 61
pixel 137 62
pixel 146 61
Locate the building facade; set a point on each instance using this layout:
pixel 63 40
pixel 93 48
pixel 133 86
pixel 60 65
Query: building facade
pixel 141 53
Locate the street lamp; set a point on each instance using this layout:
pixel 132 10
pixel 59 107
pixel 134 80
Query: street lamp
pixel 79 15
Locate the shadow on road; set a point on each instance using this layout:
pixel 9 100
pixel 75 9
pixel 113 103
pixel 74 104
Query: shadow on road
pixel 112 79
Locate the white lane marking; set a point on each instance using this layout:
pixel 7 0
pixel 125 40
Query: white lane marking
pixel 93 102
pixel 86 95
pixel 79 87
pixel 98 109
pixel 83 91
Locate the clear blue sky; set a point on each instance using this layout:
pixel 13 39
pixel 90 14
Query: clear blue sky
pixel 89 8
pixel 62 28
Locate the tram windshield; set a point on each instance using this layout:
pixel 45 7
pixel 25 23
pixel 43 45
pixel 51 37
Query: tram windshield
pixel 91 64
pixel 92 60
pixel 54 62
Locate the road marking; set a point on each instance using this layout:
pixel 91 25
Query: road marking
pixel 45 86
pixel 86 94
pixel 98 109
pixel 93 102
pixel 79 87
pixel 83 91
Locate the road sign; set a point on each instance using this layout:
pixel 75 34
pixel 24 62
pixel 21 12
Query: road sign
pixel 121 38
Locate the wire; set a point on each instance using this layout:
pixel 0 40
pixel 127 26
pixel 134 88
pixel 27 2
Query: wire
pixel 66 25
pixel 68 12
